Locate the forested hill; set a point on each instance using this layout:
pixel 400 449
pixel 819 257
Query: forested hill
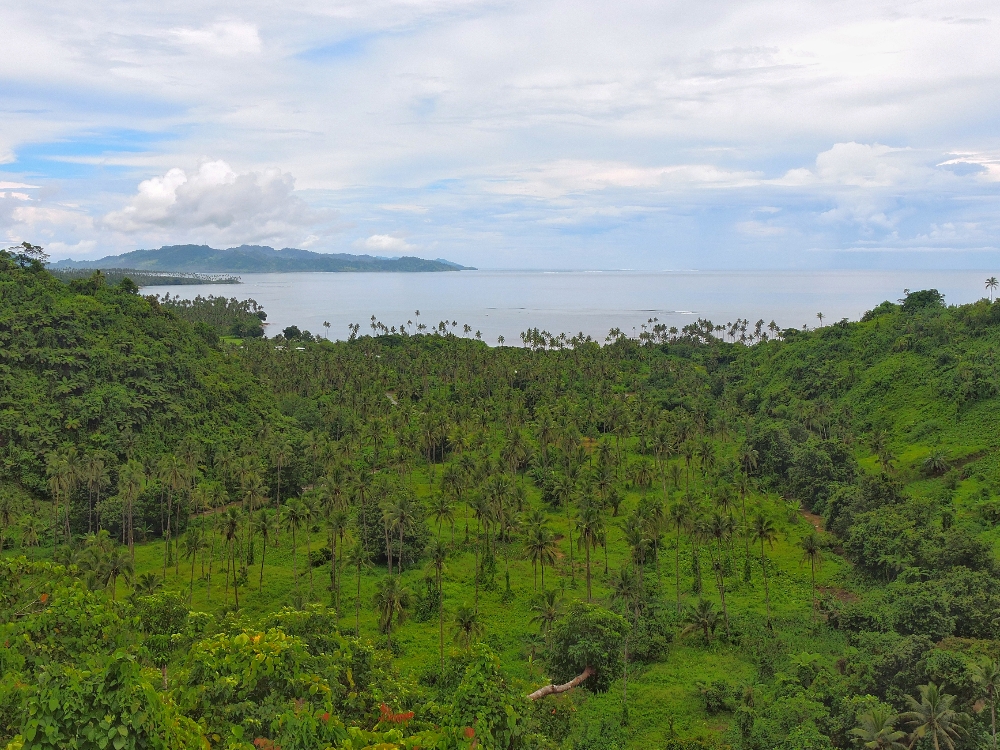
pixel 255 259
pixel 101 370
pixel 912 387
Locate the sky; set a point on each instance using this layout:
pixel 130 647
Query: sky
pixel 543 134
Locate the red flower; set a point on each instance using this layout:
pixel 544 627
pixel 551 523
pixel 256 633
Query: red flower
pixel 326 716
pixel 44 598
pixel 470 733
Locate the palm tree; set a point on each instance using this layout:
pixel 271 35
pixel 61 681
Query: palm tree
pixel 933 715
pixel 812 552
pixel 541 548
pixel 442 509
pixel 701 616
pixel 173 474
pixel 262 522
pixel 590 527
pixel 358 557
pixel 147 583
pixel 987 676
pixel 936 463
pixel 231 522
pixel 131 484
pixel 392 602
pixel 31 531
pixel 337 521
pixel 991 284
pixel 679 517
pixel 117 564
pixel 194 542
pixel 438 556
pixel 295 516
pixel 546 611
pixel 402 515
pixel 309 512
pixel 718 528
pixel 7 512
pixel 764 531
pixel 820 316
pixel 468 626
pixel 877 730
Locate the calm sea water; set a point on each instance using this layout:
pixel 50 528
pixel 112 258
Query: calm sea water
pixel 508 302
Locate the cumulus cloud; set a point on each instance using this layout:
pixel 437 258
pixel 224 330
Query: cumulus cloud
pixel 859 165
pixel 384 243
pixel 244 207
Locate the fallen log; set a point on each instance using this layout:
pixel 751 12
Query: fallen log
pixel 555 689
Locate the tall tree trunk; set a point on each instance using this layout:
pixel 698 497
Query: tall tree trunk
pixel 236 585
pixel 677 569
pixel 263 554
pixel 357 607
pixel 767 591
pixel 295 568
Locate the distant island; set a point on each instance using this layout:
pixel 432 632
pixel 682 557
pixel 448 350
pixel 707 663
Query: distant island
pixel 255 259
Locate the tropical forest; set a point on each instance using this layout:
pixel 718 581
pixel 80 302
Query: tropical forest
pixel 729 535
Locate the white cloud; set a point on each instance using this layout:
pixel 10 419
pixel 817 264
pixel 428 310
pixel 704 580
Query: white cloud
pixel 226 38
pixel 859 165
pixel 246 207
pixel 568 176
pixel 384 243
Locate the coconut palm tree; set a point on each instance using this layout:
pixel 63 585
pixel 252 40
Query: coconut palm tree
pixel 147 583
pixel 392 602
pixel 438 556
pixel 337 521
pixel 991 285
pixel 701 616
pixel 718 527
pixel 31 531
pixel 812 552
pixel 117 564
pixel 8 511
pixel 546 611
pixel 442 509
pixel 295 516
pixel 765 532
pixel 936 463
pixel 232 521
pixel 590 529
pixel 468 627
pixel 876 730
pixel 358 557
pixel 987 676
pixel 263 522
pixel 194 542
pixel 541 548
pixel 934 716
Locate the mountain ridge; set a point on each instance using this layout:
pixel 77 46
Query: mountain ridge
pixel 256 259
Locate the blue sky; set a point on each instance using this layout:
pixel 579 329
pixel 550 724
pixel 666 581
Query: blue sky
pixel 544 134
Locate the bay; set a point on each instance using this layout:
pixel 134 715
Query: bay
pixel 505 303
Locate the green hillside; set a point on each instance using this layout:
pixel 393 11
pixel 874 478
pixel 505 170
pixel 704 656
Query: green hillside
pixel 390 542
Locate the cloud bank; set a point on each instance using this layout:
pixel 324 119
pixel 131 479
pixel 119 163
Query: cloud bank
pixel 523 134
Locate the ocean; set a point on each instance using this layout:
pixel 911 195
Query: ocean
pixel 505 303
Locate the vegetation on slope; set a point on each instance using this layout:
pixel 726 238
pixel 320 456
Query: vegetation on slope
pixel 393 541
